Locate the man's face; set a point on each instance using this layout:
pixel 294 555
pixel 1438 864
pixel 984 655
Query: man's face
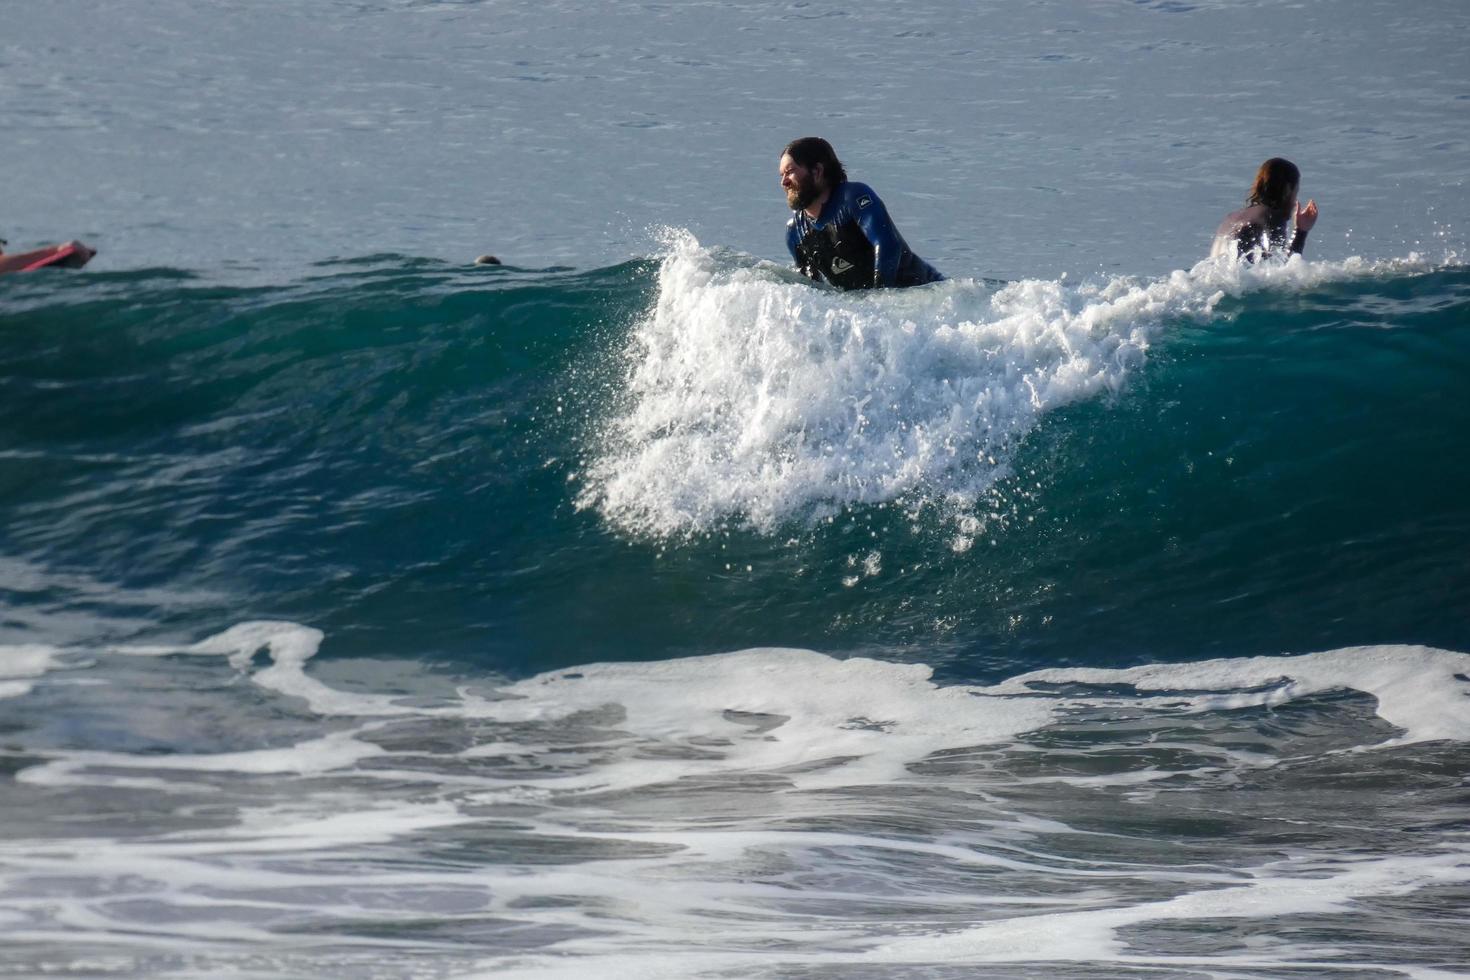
pixel 802 184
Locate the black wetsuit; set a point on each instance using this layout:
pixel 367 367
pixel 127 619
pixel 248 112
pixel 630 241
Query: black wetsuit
pixel 853 244
pixel 1256 231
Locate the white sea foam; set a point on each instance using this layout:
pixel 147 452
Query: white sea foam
pixel 332 752
pixel 746 813
pixel 1425 692
pixel 752 398
pixel 1301 886
pixel 816 720
pixel 21 665
pixel 289 646
pixel 849 722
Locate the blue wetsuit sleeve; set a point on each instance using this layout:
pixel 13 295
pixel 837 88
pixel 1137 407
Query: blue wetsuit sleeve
pixel 872 218
pixel 791 240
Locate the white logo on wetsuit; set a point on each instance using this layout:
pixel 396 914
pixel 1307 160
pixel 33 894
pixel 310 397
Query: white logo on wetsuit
pixel 864 201
pixel 840 265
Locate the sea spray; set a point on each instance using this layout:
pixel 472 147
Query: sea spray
pixel 753 399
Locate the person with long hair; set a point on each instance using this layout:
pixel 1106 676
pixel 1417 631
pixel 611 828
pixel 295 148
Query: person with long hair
pixel 1260 228
pixel 840 231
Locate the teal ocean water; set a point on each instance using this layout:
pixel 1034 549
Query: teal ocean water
pixel 526 470
pixel 638 609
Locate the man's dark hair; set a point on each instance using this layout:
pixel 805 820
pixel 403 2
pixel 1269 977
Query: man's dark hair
pixel 812 150
pixel 1275 183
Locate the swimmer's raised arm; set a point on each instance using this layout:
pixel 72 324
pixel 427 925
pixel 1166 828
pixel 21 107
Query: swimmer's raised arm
pixel 1306 217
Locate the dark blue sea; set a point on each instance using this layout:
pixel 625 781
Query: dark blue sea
pixel 638 609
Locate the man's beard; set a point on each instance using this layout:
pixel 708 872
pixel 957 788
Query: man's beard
pixel 804 193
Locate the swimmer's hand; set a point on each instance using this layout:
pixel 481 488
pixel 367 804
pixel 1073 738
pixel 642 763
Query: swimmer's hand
pixel 1306 217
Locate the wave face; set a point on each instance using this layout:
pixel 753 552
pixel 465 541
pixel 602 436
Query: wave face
pixel 532 469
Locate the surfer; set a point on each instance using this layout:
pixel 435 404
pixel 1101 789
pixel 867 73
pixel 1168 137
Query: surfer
pixel 68 255
pixel 839 231
pixel 1259 228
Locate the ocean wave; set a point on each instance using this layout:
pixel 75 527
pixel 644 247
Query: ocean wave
pixel 707 452
pixel 753 400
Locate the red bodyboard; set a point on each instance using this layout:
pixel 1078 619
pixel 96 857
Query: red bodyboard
pixel 65 252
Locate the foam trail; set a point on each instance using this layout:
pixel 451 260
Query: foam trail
pixel 855 721
pixel 775 711
pixel 289 646
pixel 1293 887
pixel 1421 690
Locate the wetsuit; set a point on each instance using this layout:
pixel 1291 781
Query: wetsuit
pixel 1256 231
pixel 853 244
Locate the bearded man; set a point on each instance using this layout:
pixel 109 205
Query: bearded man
pixel 839 231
